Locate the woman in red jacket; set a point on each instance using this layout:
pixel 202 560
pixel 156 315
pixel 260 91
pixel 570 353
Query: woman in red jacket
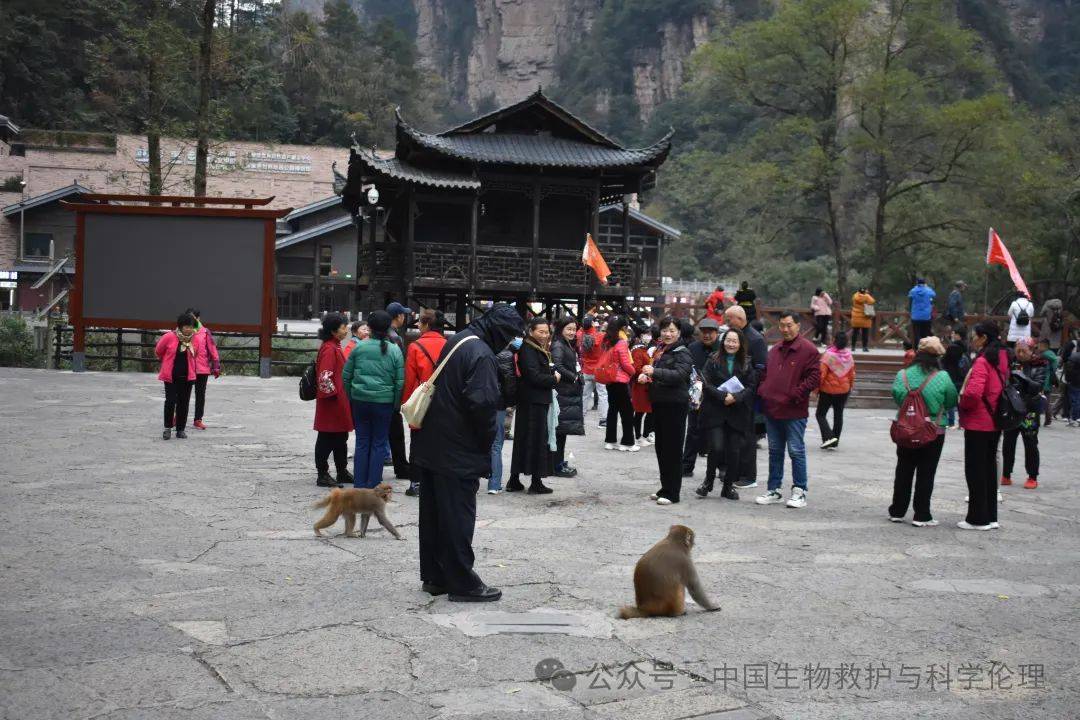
pixel 333 414
pixel 978 402
pixel 177 356
pixel 639 392
pixel 420 361
pixel 618 391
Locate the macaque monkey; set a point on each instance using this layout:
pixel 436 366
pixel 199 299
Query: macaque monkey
pixel 662 573
pixel 349 502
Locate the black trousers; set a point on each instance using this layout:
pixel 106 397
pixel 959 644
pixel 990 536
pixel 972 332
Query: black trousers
pixel 560 449
pixel 837 403
pixel 332 442
pixel 670 421
pixel 200 395
pixel 397 447
pixel 980 471
pixel 921 329
pixel 748 458
pixel 643 424
pixel 177 400
pixel 693 441
pixel 919 465
pixel 725 451
pixel 821 327
pixel 1031 452
pixel 447 521
pixel 619 410
pixel 865 333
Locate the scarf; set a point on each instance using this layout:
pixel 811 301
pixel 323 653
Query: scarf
pixel 839 362
pixel 534 344
pixel 185 341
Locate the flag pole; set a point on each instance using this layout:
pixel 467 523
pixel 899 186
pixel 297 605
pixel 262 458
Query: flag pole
pixel 986 290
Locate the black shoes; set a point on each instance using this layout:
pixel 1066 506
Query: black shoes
pixel 514 485
pixel 414 490
pixel 539 488
pixel 745 483
pixel 324 480
pixel 480 594
pixel 687 473
pixel 166 434
pixel 344 477
pixel 729 492
pixel 433 589
pixel 565 471
pixel 181 435
pixel 704 490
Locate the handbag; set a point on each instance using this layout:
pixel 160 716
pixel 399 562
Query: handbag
pixel 415 408
pixel 868 310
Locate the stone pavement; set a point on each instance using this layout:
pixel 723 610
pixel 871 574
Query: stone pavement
pixel 181 579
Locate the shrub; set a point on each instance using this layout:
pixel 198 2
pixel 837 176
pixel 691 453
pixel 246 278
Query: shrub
pixel 17 344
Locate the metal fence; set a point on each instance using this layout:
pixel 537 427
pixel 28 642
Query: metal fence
pixel 128 349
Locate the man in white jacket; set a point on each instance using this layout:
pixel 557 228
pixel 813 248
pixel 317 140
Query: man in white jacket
pixel 1020 313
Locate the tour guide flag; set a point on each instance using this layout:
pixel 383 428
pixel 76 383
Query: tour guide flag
pixel 591 256
pixel 998 254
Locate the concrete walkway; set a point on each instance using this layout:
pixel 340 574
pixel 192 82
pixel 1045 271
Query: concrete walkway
pixel 181 580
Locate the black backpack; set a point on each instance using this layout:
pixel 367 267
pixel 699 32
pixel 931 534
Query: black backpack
pixel 1023 319
pixel 1012 406
pixel 308 389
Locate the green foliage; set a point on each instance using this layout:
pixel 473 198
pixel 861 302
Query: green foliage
pixel 12 183
pixel 17 344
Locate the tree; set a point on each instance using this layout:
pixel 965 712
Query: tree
pixel 202 112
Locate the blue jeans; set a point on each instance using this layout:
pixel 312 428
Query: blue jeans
pixel 789 433
pixel 495 481
pixel 372 424
pixel 950 416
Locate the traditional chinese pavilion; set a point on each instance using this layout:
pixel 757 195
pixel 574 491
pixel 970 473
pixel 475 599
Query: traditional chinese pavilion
pixel 497 209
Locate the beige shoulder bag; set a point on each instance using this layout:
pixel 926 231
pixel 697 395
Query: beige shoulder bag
pixel 415 408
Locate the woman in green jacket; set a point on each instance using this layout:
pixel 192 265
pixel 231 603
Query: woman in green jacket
pixel 374 375
pixel 921 463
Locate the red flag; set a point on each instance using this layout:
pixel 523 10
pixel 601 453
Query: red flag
pixel 591 256
pixel 998 254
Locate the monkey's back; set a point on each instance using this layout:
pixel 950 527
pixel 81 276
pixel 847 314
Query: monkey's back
pixel 658 576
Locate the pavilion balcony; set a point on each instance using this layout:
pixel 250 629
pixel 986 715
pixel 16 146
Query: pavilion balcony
pixel 506 269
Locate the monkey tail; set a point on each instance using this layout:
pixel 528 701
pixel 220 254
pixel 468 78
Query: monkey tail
pixel 326 500
pixel 630 612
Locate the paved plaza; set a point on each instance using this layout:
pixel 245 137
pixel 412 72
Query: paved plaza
pixel 181 580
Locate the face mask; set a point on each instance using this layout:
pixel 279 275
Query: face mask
pixel 515 344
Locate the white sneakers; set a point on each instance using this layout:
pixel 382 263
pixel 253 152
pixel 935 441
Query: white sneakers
pixel 494 492
pixel 773 497
pixel 632 448
pixel 797 499
pixel 965 525
pixel 609 446
pixel 924 523
pixel 895 519
pixel 644 440
pixel 663 501
pixel 1000 497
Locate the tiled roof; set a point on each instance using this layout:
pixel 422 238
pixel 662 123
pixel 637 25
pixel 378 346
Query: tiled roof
pixel 644 219
pixel 324 204
pixel 44 199
pixel 312 232
pixel 541 150
pixel 394 168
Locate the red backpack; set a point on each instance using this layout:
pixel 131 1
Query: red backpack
pixel 913 428
pixel 607 367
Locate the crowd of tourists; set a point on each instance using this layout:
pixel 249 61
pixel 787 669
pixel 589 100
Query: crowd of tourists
pixel 713 390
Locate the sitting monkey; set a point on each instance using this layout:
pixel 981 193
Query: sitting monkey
pixel 349 502
pixel 662 573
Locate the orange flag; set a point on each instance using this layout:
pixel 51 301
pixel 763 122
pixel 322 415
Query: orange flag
pixel 591 256
pixel 998 254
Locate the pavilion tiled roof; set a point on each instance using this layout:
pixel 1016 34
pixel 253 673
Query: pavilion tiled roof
pixel 535 149
pixel 394 168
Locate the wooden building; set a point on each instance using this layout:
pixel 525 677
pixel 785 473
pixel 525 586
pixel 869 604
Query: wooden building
pixel 497 209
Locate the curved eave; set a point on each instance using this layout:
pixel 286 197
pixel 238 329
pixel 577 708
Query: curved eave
pixel 395 169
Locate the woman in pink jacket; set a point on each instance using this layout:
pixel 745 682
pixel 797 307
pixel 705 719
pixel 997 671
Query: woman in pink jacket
pixel 618 392
pixel 207 361
pixel 177 355
pixel 978 401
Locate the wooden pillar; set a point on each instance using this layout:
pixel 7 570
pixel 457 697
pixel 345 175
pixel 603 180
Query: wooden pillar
pixel 408 268
pixel 474 232
pixel 268 320
pixel 75 307
pixel 316 280
pixel 625 225
pixel 534 263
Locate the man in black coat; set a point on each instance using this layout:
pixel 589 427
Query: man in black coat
pixel 700 350
pixel 735 317
pixel 453 450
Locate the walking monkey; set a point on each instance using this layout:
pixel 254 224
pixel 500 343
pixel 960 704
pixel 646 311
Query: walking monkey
pixel 349 502
pixel 660 576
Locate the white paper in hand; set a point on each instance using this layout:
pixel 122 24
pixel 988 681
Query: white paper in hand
pixel 731 385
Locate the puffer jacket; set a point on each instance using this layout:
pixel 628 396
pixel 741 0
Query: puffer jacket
pixel 569 389
pixel 739 416
pixel 981 392
pixel 374 376
pixel 625 371
pixel 507 377
pixel 672 367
